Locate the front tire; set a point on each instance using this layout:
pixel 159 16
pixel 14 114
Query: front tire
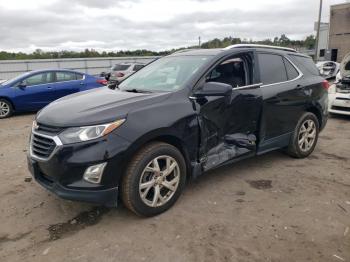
pixel 154 179
pixel 305 136
pixel 6 109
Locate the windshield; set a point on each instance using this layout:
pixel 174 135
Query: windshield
pixel 14 80
pixel 120 67
pixel 166 74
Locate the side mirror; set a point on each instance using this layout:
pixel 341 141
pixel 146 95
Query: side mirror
pixel 214 89
pixel 22 85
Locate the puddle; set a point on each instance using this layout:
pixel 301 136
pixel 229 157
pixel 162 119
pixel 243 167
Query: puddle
pixel 260 184
pixel 84 219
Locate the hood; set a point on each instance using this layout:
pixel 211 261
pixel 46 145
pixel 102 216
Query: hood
pixel 95 106
pixel 345 66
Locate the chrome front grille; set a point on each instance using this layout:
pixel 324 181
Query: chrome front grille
pixel 42 147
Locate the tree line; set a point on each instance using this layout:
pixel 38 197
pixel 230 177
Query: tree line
pixel 283 40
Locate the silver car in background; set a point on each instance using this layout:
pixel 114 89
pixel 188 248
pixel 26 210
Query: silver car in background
pixel 121 71
pixel 328 69
pixel 339 92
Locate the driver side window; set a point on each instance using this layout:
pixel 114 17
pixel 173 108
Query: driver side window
pixel 37 79
pixel 233 71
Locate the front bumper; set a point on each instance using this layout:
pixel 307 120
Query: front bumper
pixel 107 197
pixel 339 103
pixel 62 173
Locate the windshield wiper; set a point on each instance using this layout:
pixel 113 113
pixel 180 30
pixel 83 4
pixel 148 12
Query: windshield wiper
pixel 134 90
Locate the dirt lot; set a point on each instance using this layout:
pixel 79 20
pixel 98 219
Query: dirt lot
pixel 271 208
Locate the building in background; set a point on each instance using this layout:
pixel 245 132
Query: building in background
pixel 323 40
pixel 339 32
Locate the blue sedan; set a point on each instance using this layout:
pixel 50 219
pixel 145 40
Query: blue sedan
pixel 34 90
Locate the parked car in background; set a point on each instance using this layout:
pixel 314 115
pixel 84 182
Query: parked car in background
pixel 121 71
pixel 328 69
pixel 178 117
pixel 339 92
pixel 34 90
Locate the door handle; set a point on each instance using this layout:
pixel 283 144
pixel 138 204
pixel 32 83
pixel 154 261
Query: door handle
pixel 81 83
pixel 49 87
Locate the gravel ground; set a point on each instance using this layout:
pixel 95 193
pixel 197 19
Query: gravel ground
pixel 269 208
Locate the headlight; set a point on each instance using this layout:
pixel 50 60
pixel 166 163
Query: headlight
pixel 86 133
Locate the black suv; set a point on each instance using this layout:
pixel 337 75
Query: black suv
pixel 176 118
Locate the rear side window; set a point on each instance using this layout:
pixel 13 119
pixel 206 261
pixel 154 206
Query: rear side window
pixel 65 76
pixel 305 64
pixel 292 73
pixel 272 69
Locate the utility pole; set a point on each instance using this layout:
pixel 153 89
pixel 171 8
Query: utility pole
pixel 318 32
pixel 199 42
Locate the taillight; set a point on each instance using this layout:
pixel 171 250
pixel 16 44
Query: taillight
pixel 102 81
pixel 119 74
pixel 325 84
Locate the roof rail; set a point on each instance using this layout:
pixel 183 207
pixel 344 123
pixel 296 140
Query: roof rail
pixel 185 50
pixel 260 46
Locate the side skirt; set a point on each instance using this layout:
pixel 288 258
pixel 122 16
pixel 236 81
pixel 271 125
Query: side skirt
pixel 274 143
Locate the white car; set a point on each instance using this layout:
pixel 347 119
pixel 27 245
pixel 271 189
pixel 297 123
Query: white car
pixel 121 71
pixel 328 69
pixel 339 92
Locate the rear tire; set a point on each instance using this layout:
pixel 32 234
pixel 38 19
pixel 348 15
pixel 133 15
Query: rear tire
pixel 6 109
pixel 305 136
pixel 154 179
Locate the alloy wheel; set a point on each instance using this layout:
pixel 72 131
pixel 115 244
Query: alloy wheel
pixel 159 181
pixel 4 109
pixel 307 135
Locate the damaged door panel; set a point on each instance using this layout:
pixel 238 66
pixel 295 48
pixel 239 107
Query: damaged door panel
pixel 229 124
pixel 229 129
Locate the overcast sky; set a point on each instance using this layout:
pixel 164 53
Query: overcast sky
pixel 26 25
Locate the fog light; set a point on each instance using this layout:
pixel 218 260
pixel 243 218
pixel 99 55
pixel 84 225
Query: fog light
pixel 93 174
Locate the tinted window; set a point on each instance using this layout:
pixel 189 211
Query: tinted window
pixel 120 67
pixel 38 79
pixel 305 64
pixel 272 69
pixel 65 76
pixel 138 67
pixel 291 71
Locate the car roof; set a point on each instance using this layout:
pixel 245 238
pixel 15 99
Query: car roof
pixel 54 69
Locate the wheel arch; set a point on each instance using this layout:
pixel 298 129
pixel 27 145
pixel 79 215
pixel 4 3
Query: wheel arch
pixel 166 138
pixel 317 112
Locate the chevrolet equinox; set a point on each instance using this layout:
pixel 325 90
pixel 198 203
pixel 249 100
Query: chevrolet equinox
pixel 175 119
